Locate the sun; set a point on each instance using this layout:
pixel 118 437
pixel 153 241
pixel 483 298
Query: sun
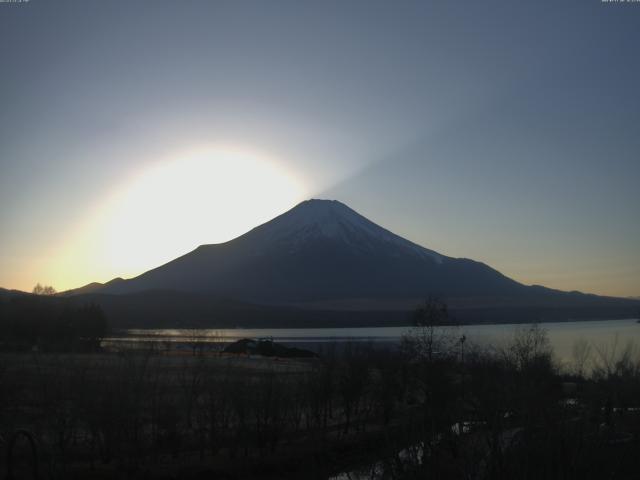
pixel 172 206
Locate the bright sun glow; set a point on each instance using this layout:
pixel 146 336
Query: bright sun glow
pixel 174 206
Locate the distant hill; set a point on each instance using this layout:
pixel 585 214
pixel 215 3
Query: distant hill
pixel 4 293
pixel 171 309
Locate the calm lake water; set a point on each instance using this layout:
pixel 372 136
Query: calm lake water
pixel 562 335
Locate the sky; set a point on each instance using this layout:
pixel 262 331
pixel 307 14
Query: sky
pixel 507 132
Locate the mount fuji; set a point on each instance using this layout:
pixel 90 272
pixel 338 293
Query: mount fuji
pixel 320 250
pixel 323 264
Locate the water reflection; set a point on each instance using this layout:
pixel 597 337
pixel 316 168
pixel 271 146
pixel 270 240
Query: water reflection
pixel 563 336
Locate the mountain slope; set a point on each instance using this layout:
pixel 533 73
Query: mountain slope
pixel 89 288
pixel 321 250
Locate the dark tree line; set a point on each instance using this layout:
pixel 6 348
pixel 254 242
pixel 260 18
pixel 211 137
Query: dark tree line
pixel 43 322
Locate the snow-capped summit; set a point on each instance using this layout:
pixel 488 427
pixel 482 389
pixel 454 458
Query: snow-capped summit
pixel 320 250
pixel 332 220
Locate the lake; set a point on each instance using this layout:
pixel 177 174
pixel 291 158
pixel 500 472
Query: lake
pixel 562 335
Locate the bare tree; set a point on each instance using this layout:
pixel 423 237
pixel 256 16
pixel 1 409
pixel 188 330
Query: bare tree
pixel 581 355
pixel 430 336
pixel 529 345
pixel 44 290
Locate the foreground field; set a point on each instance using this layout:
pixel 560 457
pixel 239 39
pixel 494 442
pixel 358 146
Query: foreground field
pixel 427 408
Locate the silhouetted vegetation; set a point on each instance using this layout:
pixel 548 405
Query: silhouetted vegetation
pixel 267 348
pixel 32 321
pixel 428 409
pixel 43 290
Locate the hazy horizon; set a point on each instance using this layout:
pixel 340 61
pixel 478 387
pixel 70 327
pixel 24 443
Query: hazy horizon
pixel 132 132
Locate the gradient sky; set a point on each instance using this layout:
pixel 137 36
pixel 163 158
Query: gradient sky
pixel 507 132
